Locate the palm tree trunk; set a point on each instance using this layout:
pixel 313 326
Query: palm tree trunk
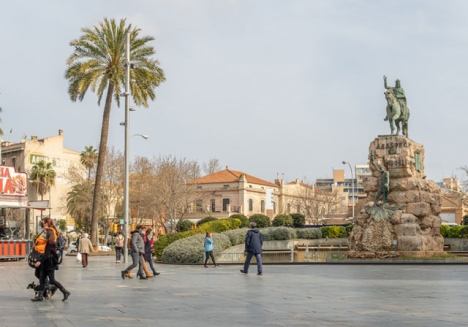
pixel 100 165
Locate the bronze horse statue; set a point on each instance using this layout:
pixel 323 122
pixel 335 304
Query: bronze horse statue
pixel 397 111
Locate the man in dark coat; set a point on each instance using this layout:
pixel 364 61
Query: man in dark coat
pixel 253 246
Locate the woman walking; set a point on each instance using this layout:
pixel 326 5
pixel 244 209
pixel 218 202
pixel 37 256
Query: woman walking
pixel 85 248
pixel 48 262
pixel 119 243
pixel 148 239
pixel 209 249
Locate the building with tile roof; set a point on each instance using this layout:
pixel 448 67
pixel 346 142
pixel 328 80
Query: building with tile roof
pixel 228 191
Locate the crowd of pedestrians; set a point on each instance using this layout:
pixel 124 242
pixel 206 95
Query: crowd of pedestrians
pixel 51 245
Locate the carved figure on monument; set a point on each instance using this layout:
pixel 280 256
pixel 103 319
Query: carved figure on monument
pixel 397 108
pixel 384 186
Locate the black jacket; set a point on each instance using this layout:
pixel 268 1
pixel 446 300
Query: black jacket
pixel 253 241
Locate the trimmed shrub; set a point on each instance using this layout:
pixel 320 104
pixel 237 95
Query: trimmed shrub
pixel 283 220
pixel 444 230
pixel 455 232
pixel 166 239
pixel 244 220
pixel 184 225
pixel 333 231
pixel 190 250
pixel 236 236
pixel 298 219
pixel 278 233
pixel 310 233
pixel 220 225
pixel 464 232
pixel 283 233
pixel 205 220
pixel 262 221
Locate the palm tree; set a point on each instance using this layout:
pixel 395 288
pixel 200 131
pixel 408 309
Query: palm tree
pixel 43 177
pixel 97 62
pixel 89 158
pixel 79 203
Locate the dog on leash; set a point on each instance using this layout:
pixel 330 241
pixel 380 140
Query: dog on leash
pixel 48 291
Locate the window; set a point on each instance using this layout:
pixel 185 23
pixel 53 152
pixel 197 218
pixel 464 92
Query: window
pixel 226 203
pixel 250 204
pixel 213 205
pixel 199 187
pixel 262 206
pixel 13 162
pixel 225 186
pixel 288 208
pixel 199 205
pixel 298 208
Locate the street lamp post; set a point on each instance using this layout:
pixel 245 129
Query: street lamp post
pixel 126 154
pixel 352 182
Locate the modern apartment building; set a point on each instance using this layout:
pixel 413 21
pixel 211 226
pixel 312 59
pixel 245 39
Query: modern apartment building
pixel 351 189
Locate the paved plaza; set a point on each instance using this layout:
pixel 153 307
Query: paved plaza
pixel 286 295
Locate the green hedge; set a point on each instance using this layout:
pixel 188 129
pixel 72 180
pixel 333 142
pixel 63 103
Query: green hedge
pixel 309 233
pixel 190 250
pixel 454 231
pixel 262 221
pixel 245 221
pixel 205 220
pixel 166 239
pixel 334 231
pixel 283 220
pixel 298 219
pixel 220 225
pixel 184 225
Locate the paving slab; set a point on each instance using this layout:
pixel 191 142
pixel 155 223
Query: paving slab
pixel 286 295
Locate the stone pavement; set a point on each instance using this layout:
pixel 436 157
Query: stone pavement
pixel 286 295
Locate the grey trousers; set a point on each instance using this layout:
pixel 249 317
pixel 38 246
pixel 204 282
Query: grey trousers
pixel 137 259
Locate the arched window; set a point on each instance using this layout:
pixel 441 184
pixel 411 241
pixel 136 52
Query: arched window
pixel 262 206
pixel 250 204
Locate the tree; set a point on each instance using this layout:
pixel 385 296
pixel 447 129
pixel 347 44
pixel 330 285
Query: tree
pixel 62 225
pixel 212 166
pixel 97 62
pixel 89 159
pixel 43 177
pixel 172 191
pixel 80 203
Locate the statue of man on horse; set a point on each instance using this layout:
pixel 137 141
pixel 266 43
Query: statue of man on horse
pixel 397 108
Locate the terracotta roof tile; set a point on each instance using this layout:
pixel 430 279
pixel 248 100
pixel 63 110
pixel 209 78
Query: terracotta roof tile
pixel 229 176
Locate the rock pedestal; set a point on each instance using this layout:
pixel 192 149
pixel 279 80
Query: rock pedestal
pixel 413 204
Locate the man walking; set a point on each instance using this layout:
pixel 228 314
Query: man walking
pixel 253 246
pixel 85 248
pixel 61 241
pixel 138 249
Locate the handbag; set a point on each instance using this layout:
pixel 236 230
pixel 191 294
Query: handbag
pixel 34 257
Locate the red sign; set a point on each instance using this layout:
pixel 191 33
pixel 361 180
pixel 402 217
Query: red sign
pixel 13 183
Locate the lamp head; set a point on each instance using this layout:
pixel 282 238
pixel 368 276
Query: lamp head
pixel 343 162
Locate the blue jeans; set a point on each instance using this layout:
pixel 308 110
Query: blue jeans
pixel 258 256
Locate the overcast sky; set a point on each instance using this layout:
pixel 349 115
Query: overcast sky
pixel 266 87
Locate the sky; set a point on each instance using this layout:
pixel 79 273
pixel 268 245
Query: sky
pixel 268 87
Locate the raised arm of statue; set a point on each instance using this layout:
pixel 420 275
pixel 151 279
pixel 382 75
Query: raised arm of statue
pixel 385 82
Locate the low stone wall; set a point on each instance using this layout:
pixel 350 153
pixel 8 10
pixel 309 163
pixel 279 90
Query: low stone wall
pixel 456 244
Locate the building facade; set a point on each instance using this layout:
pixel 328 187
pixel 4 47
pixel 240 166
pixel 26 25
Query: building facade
pixel 25 154
pixel 351 190
pixel 227 192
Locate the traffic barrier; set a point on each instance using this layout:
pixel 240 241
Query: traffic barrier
pixel 14 249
